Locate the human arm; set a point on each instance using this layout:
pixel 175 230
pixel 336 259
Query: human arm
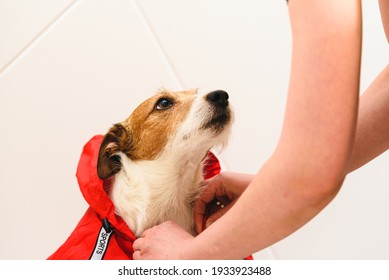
pixel 307 168
pixel 372 135
pixel 371 140
pixel 384 9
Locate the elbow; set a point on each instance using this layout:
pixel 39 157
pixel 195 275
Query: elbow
pixel 320 189
pixel 312 185
pixel 323 192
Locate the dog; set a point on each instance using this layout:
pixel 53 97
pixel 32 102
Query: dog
pixel 147 170
pixel 156 156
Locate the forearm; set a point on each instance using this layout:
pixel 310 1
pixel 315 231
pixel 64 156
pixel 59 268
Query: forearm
pixel 307 168
pixel 372 134
pixel 384 8
pixel 265 213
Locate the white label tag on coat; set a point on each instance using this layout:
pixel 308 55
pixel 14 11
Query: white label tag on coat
pixel 101 245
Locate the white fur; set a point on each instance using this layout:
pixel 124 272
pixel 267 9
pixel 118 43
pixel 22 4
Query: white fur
pixel 146 193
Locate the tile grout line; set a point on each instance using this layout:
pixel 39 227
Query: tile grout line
pixel 34 41
pixel 157 42
pixel 168 61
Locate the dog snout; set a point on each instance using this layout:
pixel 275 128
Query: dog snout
pixel 218 98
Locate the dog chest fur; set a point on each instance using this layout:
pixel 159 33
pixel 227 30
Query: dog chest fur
pixel 146 193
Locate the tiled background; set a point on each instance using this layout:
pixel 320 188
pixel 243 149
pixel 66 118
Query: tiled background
pixel 70 69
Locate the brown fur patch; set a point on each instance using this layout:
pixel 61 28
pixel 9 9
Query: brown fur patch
pixel 150 128
pixel 145 133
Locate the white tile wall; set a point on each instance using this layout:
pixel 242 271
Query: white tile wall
pixel 70 69
pixel 22 22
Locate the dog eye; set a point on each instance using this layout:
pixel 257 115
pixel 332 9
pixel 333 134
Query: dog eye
pixel 164 104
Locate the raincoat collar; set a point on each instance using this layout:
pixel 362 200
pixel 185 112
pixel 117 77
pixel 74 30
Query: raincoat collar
pixel 94 189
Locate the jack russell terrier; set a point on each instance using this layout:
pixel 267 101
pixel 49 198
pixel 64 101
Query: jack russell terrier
pixel 147 170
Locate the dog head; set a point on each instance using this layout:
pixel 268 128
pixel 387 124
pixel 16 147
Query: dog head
pixel 169 122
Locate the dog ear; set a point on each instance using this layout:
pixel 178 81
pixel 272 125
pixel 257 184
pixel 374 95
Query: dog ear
pixel 116 140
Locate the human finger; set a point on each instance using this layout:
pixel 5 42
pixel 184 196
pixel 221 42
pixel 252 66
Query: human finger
pixel 202 212
pixel 138 244
pixel 213 189
pixel 216 215
pixel 137 255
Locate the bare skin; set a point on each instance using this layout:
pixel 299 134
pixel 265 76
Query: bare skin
pixel 323 138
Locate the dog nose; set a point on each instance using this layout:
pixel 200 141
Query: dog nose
pixel 218 98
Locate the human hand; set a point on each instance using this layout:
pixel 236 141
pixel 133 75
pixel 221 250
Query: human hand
pixel 220 194
pixel 164 241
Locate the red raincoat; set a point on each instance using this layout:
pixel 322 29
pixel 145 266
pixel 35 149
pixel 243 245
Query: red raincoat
pixel 101 234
